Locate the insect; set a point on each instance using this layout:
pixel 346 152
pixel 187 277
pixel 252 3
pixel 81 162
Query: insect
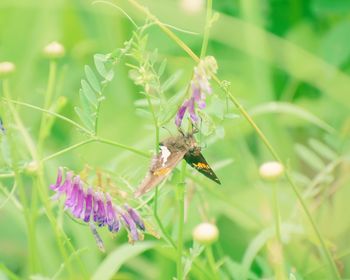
pixel 172 151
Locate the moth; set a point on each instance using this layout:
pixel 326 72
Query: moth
pixel 172 151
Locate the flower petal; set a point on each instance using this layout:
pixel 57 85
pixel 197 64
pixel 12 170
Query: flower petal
pixel 72 194
pixel 192 111
pixel 58 180
pixel 136 217
pixel 112 220
pixel 131 226
pixel 88 205
pixel 181 113
pixel 79 206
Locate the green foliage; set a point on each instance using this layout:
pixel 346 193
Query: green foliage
pixel 270 54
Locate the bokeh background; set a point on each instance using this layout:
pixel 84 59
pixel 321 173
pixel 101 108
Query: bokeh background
pixel 287 62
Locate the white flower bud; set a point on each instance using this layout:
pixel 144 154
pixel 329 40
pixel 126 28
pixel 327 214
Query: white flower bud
pixel 205 233
pixel 6 68
pixel 32 167
pixel 192 6
pixel 54 50
pixel 271 170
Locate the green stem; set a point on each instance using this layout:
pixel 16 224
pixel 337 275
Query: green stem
pixel 32 256
pixel 333 269
pixel 159 222
pixel 97 116
pixel 122 146
pixel 41 187
pixel 181 210
pixel 50 113
pixel 207 28
pixel 211 261
pixel 67 149
pixel 277 213
pixel 279 269
pixel 7 175
pixel 47 102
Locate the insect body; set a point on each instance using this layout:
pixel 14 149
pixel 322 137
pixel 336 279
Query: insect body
pixel 172 151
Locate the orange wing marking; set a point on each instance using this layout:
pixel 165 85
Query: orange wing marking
pixel 161 171
pixel 201 165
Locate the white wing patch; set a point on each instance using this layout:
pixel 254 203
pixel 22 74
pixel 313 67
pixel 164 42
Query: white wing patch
pixel 165 153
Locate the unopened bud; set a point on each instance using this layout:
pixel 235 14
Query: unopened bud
pixel 54 50
pixel 32 167
pixel 192 6
pixel 205 233
pixel 271 170
pixel 6 68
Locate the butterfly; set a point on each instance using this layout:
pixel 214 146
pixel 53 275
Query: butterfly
pixel 172 151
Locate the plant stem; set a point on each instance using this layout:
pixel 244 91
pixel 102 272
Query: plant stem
pixel 181 211
pixel 122 146
pixel 32 255
pixel 207 28
pixel 67 149
pixel 47 102
pixel 41 185
pixel 50 113
pixel 277 213
pixel 279 265
pixel 211 261
pixel 160 224
pixel 7 175
pixel 332 267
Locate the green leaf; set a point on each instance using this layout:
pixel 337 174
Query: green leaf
pixel 153 56
pixel 162 67
pixel 335 47
pixel 85 103
pixel 310 157
pixel 85 118
pixel 114 261
pixel 322 149
pixel 172 80
pixel 8 273
pixel 88 92
pixel 92 79
pixel 290 109
pixel 103 66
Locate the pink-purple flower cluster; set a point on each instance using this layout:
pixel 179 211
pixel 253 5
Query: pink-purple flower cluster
pixel 200 88
pixel 95 206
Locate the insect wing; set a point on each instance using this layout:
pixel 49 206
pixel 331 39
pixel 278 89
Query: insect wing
pixel 162 165
pixel 197 161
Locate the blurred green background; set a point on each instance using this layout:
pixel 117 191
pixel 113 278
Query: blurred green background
pixel 288 63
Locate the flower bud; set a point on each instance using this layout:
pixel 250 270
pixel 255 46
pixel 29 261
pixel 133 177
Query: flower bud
pixel 271 170
pixel 54 50
pixel 192 6
pixel 6 68
pixel 32 167
pixel 205 233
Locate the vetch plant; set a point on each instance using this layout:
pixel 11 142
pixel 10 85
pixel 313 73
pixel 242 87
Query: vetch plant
pixel 180 97
pixel 94 206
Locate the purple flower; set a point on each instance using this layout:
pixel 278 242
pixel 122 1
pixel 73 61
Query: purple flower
pixel 78 208
pixel 136 217
pixel 200 88
pixel 2 128
pixel 72 193
pixel 131 226
pixel 58 180
pixel 95 207
pixel 88 205
pixel 100 216
pixel 112 220
pixel 181 113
